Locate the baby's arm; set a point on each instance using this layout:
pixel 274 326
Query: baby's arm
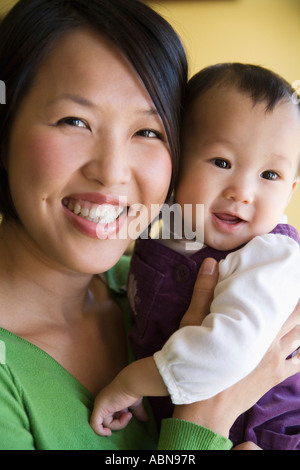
pixel 141 378
pixel 111 409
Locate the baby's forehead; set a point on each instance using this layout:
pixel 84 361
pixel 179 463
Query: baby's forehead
pixel 227 112
pixel 234 88
pixel 221 98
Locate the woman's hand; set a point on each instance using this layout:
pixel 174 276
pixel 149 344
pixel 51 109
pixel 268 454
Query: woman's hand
pixel 203 294
pixel 220 412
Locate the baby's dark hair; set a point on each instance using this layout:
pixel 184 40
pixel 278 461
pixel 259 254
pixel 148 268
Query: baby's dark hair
pixel 260 83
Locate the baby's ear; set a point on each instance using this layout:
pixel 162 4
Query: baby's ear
pixel 294 186
pixel 295 183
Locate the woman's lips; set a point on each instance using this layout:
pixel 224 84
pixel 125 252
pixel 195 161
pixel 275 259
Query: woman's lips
pixel 98 198
pixel 97 217
pixel 103 214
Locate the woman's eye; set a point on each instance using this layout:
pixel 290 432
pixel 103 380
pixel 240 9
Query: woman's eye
pixel 221 163
pixel 74 121
pixel 270 175
pixel 149 134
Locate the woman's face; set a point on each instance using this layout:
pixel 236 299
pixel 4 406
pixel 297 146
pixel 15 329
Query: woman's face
pixel 87 149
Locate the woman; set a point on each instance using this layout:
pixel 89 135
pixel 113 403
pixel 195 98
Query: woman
pixel 90 131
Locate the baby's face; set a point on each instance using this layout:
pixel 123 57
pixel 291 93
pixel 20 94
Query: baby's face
pixel 241 163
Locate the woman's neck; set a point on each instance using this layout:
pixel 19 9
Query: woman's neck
pixel 68 315
pixel 35 284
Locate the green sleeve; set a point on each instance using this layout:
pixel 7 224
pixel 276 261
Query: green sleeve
pixel 15 433
pixel 177 434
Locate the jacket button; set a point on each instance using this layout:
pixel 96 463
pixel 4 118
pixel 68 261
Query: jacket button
pixel 181 273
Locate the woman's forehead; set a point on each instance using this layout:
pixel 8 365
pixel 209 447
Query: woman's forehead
pixel 83 64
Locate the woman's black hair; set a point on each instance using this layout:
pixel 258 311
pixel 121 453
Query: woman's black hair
pixel 32 28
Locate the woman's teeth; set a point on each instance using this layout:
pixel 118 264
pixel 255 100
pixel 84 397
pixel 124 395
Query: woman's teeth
pixel 99 214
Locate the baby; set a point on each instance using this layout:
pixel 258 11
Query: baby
pixel 240 159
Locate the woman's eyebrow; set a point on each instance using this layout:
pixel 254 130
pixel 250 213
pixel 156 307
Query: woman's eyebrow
pixel 147 112
pixel 151 111
pixel 75 98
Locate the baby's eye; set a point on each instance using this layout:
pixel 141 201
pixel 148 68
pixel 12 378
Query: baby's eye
pixel 270 175
pixel 221 163
pixel 74 121
pixel 149 134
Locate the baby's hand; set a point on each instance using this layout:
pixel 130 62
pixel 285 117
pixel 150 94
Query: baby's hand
pixel 124 393
pixel 111 410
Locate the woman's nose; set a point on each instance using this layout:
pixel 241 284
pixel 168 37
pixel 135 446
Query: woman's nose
pixel 109 164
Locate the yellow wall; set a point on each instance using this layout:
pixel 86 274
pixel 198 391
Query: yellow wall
pixel 5 5
pixel 264 32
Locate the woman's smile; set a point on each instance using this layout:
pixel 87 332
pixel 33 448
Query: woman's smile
pixel 99 214
pixel 98 220
pixel 90 127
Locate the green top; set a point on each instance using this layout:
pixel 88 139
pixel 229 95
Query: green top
pixel 42 406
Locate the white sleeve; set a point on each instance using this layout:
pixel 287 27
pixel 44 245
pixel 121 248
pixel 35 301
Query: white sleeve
pixel 258 288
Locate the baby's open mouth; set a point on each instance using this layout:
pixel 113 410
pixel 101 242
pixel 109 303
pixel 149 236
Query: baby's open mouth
pixel 99 214
pixel 229 219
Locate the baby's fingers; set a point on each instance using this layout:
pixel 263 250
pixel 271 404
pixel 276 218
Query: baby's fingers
pixel 118 421
pixel 115 422
pixel 99 428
